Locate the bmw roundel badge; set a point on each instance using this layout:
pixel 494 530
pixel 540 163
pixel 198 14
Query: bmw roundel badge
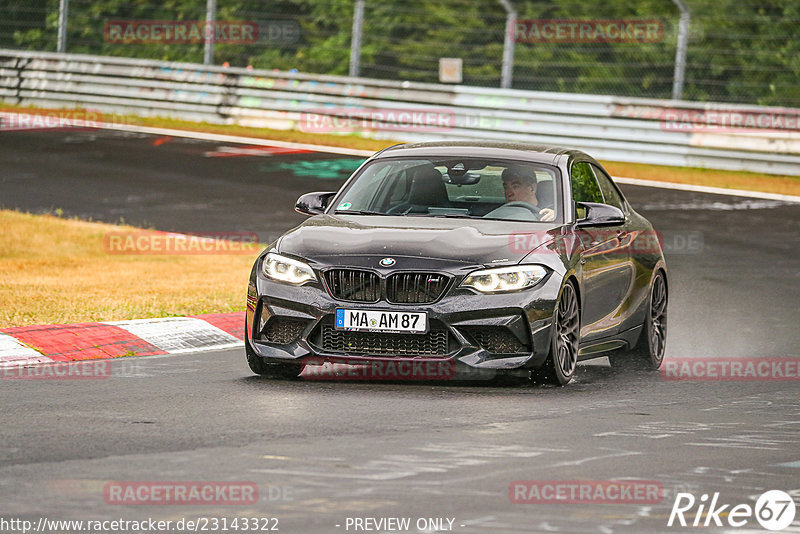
pixel 387 262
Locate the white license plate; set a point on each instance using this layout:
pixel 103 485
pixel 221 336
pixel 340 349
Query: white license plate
pixel 381 321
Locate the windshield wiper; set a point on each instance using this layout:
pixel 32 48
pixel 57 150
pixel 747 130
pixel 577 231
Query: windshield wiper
pixel 357 212
pixel 445 215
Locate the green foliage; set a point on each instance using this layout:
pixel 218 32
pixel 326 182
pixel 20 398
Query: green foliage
pixel 584 185
pixel 739 50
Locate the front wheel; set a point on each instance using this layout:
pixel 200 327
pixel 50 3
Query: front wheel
pixel 560 365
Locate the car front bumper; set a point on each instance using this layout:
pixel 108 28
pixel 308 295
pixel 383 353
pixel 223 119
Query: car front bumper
pixel 483 331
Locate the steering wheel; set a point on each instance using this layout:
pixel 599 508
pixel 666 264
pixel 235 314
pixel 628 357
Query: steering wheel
pixel 401 209
pixel 520 204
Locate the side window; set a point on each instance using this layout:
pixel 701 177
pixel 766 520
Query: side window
pixel 610 192
pixel 584 186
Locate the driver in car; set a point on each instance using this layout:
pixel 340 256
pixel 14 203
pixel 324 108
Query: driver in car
pixel 520 186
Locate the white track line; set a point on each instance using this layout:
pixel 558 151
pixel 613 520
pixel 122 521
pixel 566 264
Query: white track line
pixel 222 138
pixel 235 139
pixel 366 153
pixel 707 189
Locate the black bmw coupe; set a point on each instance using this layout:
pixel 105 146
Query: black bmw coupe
pixel 477 257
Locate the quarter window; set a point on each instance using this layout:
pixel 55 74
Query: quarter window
pixel 610 193
pixel 584 186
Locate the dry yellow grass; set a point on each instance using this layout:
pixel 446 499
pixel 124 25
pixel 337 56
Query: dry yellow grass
pixel 768 183
pixel 56 271
pixel 291 136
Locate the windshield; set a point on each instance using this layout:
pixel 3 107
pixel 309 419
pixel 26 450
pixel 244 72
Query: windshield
pixel 466 188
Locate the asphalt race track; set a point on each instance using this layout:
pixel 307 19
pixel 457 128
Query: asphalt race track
pixel 322 451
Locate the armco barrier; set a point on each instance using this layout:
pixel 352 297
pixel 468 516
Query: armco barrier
pixel 608 127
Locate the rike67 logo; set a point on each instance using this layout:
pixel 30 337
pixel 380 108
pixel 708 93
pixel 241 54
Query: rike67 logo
pixel 774 510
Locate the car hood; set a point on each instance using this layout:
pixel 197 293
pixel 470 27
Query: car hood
pixel 467 241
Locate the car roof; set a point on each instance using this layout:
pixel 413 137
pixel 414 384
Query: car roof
pixel 491 149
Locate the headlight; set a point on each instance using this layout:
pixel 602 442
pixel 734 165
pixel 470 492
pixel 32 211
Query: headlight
pixel 287 270
pixel 505 279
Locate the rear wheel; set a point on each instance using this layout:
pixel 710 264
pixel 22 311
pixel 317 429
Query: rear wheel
pixel 257 364
pixel 560 365
pixel 649 350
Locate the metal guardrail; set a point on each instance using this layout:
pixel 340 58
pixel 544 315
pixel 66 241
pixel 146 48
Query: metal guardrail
pixel 608 127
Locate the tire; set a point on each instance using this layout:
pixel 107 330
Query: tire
pixel 649 351
pixel 559 368
pixel 284 371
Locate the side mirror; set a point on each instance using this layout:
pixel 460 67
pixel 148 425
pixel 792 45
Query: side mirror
pixel 313 203
pixel 597 214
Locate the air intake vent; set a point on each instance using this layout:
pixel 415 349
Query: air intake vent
pixel 434 343
pixel 415 288
pixel 496 339
pixel 283 330
pixel 355 285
